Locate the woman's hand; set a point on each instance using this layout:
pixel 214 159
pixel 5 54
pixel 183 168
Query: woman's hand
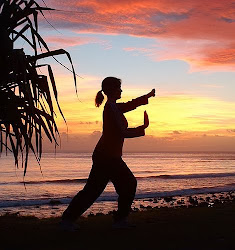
pixel 152 93
pixel 146 120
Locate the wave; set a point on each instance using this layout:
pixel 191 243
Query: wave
pixel 111 196
pixel 187 192
pixel 83 180
pixel 61 181
pixel 192 176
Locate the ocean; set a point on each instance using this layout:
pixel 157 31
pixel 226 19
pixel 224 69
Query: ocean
pixel 48 191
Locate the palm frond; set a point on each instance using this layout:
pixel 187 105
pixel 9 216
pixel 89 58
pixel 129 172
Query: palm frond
pixel 26 107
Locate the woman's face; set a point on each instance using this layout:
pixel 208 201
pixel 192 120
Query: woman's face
pixel 117 93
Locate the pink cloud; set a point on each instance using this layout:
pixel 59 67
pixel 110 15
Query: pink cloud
pixel 202 22
pixel 68 41
pixel 225 55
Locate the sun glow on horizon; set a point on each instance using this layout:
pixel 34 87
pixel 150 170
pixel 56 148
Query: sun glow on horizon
pixel 170 115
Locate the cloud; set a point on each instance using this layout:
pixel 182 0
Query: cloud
pixel 68 41
pixel 231 130
pixel 87 143
pixel 199 32
pixel 88 123
pixel 200 54
pixel 176 132
pixel 229 20
pixel 76 40
pixel 220 55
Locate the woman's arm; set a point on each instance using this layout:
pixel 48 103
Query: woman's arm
pixel 133 104
pixel 115 118
pixel 139 131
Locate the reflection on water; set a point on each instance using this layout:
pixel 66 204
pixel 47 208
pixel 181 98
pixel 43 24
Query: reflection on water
pixel 64 174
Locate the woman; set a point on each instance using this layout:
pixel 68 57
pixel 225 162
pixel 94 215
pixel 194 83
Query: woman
pixel 107 161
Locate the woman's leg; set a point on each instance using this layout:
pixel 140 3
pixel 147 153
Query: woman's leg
pixel 125 184
pixel 95 185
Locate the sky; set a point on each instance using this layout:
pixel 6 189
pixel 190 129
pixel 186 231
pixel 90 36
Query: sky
pixel 185 49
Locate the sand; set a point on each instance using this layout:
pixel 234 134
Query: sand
pixel 191 228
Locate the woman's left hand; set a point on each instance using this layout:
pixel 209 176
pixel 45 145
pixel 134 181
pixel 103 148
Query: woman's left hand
pixel 146 120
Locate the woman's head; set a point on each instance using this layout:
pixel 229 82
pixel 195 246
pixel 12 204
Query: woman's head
pixel 111 86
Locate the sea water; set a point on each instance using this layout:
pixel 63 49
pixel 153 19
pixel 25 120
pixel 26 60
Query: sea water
pixel 47 189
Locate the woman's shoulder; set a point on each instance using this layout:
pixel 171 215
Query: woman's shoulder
pixel 111 107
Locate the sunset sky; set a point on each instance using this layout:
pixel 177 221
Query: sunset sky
pixel 185 49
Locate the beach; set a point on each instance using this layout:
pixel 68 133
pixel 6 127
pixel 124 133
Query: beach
pixel 185 227
pixel 80 78
pixel 184 201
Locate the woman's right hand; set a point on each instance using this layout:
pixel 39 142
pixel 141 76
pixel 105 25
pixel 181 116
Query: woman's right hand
pixel 151 93
pixel 146 120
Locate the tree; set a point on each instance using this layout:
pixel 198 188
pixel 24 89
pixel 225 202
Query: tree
pixel 26 108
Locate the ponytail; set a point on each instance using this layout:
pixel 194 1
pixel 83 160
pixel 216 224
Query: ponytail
pixel 99 98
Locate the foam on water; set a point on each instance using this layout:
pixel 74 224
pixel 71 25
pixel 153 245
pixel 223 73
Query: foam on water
pixel 111 196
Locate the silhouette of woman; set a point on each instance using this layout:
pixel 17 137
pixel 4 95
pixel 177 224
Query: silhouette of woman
pixel 107 161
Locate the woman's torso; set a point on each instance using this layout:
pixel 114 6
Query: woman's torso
pixel 111 141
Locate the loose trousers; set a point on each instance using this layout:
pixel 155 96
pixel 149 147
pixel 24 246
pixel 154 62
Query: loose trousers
pixel 104 170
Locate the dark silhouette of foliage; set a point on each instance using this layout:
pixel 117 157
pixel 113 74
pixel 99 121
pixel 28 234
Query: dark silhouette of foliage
pixel 26 108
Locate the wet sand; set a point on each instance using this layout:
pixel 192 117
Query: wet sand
pixel 55 208
pixel 188 227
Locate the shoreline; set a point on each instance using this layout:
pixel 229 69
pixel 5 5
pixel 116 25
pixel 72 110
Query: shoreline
pixel 183 228
pixel 55 208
